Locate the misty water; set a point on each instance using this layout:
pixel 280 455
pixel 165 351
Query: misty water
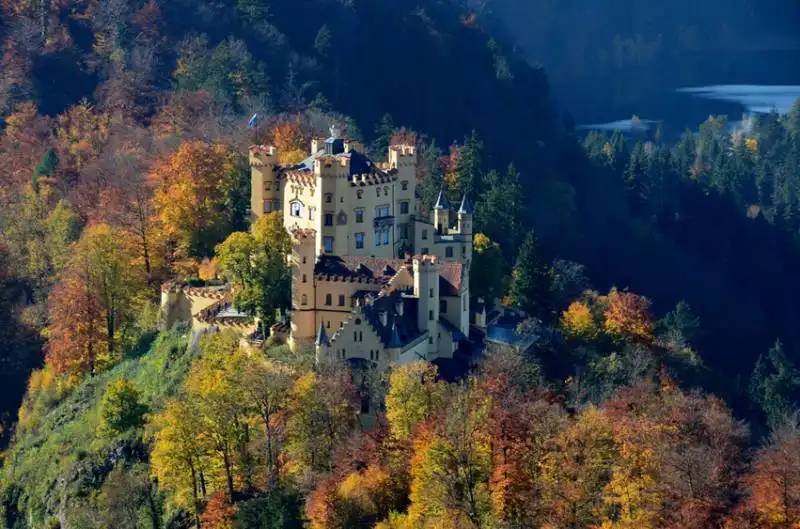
pixel 752 83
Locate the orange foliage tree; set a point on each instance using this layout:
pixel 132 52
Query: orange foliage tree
pixel 290 141
pixel 219 513
pixel 628 316
pixel 190 200
pixel 774 482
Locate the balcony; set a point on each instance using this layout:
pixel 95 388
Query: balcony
pixel 383 222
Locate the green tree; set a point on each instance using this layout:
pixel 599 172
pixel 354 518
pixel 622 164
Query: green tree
pixel 500 210
pixel 487 269
pixel 466 172
pixel 775 385
pixel 531 280
pixel 256 264
pixel 682 320
pixel 121 407
pixel 323 40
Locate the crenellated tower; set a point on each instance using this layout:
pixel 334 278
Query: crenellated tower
pixel 265 191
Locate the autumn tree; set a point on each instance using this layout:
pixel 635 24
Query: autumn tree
pixel 628 316
pixel 774 481
pixel 268 386
pixel 192 200
pixel 578 323
pixel 219 513
pixel 93 301
pixel 414 395
pixel 219 401
pixel 179 457
pixel 322 412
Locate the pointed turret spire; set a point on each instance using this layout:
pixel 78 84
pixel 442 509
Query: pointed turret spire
pixel 322 336
pixel 394 339
pixel 466 207
pixel 441 202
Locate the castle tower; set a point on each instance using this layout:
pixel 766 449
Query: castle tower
pixel 465 213
pixel 426 289
pixel 265 187
pixel 403 160
pixel 303 291
pixel 441 213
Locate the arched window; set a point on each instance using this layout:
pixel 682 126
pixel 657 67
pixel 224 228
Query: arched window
pixel 305 280
pixel 359 193
pixel 304 300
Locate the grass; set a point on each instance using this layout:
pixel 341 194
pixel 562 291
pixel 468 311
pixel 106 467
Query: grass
pixel 60 453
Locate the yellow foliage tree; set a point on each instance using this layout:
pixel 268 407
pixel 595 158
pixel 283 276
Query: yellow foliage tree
pixel 414 395
pixel 578 323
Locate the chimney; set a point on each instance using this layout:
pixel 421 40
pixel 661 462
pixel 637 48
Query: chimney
pixel 384 316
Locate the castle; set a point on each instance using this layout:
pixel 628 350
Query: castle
pixel 372 279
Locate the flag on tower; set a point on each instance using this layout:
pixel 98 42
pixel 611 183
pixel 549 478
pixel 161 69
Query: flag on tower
pixel 253 121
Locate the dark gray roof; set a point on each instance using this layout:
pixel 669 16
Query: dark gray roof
pixel 454 331
pixel 322 336
pixel 359 162
pixel 466 206
pixel 442 202
pixel 400 330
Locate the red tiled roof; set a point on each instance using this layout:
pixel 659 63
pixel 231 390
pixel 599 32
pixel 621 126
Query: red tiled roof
pixel 450 279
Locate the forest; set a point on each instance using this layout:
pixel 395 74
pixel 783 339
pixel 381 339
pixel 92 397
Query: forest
pixel 660 272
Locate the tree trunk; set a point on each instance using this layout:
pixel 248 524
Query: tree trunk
pixel 194 494
pixel 226 458
pixel 270 459
pixel 155 516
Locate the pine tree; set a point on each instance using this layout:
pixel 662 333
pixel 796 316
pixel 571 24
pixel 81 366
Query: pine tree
pixel 531 280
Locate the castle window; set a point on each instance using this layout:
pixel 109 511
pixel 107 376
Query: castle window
pixel 312 213
pixel 425 251
pixel 430 293
pixel 268 207
pixel 327 244
pixel 430 315
pixel 463 251
pixel 358 321
pixel 448 252
pixel 277 186
pixel 341 300
pixel 359 215
pixel 377 237
pixel 359 193
pixel 328 324
pixel 360 336
pixel 404 207
pixel 329 219
pixel 305 279
pixel 382 211
pixel 341 200
pixel 360 240
pixel 304 300
pixel 328 198
pixel 386 236
pixel 304 260
pixel 404 185
pixel 342 219
pixel 378 191
pixel 430 340
pixel 328 299
pixel 377 355
pixel 424 235
pixel 443 306
pixel 295 208
pixel 386 190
